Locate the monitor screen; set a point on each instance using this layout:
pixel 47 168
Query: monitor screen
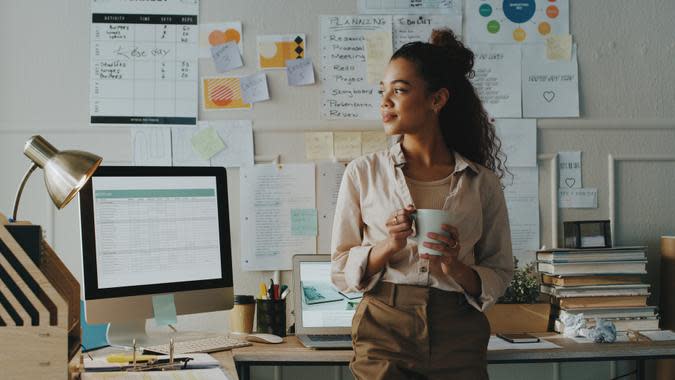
pixel 155 230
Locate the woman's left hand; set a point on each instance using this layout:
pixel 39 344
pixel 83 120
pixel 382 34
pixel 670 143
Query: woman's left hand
pixel 448 246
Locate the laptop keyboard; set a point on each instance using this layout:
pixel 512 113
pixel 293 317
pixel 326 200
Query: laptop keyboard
pixel 330 338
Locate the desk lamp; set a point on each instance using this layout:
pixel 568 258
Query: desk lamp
pixel 65 171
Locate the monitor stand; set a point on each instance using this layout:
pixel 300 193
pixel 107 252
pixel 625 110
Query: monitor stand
pixel 124 333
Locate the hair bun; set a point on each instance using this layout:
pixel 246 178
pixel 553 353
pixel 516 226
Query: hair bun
pixel 457 52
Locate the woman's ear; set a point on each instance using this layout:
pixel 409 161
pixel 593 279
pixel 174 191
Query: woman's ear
pixel 440 99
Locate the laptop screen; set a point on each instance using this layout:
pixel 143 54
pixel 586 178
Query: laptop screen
pixel 322 304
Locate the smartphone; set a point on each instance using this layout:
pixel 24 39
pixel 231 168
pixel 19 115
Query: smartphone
pixel 518 337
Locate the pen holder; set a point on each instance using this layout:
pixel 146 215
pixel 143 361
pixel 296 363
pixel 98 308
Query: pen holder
pixel 271 317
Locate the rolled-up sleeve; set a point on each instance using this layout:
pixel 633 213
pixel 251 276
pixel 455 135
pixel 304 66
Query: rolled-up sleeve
pixel 493 252
pixel 349 256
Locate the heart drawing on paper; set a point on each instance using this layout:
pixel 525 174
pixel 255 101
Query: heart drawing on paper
pixel 570 182
pixel 549 96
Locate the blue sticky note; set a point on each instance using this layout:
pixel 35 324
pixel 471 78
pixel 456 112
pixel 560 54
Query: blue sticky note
pixel 303 221
pixel 93 336
pixel 164 309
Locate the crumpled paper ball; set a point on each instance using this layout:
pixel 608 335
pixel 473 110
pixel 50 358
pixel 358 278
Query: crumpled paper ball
pixel 575 325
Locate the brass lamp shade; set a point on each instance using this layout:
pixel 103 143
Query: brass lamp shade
pixel 65 172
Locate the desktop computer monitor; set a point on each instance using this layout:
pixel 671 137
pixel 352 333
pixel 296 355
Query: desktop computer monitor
pixel 150 231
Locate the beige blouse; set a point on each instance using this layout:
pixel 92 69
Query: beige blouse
pixel 374 186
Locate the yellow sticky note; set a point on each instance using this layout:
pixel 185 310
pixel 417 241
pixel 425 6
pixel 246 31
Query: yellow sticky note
pixel 347 145
pixel 373 141
pixel 378 51
pixel 559 47
pixel 207 143
pixel 319 145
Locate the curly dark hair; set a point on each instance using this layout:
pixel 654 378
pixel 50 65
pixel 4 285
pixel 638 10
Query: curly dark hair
pixel 445 62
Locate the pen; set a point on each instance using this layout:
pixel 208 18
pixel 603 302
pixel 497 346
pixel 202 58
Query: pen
pixel 284 294
pixel 122 358
pixel 263 291
pixel 276 291
pixel 271 290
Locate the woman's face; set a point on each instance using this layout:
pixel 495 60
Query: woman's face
pixel 406 106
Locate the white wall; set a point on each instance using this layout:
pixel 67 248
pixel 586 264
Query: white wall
pixel 627 83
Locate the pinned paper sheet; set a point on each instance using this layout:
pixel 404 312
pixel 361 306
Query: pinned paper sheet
pixel 347 145
pixel 217 34
pixel 519 141
pixel 373 141
pixel 183 154
pixel 569 169
pixel 237 135
pixel 559 47
pixel 378 52
pixel 226 56
pixel 409 28
pixel 300 72
pixel 303 221
pixel 319 145
pixel 151 146
pixel 497 79
pixel 164 309
pixel 254 88
pixel 207 143
pixel 522 201
pixel 275 50
pixel 221 93
pixel 578 198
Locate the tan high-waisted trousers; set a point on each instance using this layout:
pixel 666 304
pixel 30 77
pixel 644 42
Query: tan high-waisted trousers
pixel 415 332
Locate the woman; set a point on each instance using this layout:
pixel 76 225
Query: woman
pixel 422 316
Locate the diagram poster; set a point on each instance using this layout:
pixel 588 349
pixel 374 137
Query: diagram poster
pixel 515 21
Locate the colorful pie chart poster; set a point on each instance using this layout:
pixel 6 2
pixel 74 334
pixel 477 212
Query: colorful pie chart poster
pixel 222 93
pixel 211 35
pixel 515 21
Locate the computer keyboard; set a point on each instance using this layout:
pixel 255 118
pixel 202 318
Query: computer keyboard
pixel 211 344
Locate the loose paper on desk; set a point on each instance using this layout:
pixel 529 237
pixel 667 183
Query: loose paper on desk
pixel 219 33
pixel 226 56
pixel 181 146
pixel 254 88
pixel 569 169
pixel 319 145
pixel 519 140
pixel 503 22
pixel 207 143
pixel 268 194
pixel 346 91
pixel 497 78
pixel 409 28
pixel 151 146
pixel 378 52
pixel 522 202
pixel 143 62
pixel 496 343
pixel 410 7
pixel 550 88
pixel 578 198
pixel 328 179
pixel 237 135
pixel 186 374
pixel 347 145
pixel 275 50
pixel 300 72
pixel 659 335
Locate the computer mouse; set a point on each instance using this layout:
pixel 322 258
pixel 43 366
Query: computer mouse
pixel 264 338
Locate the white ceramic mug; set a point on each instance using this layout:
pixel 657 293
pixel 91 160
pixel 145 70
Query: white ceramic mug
pixel 429 220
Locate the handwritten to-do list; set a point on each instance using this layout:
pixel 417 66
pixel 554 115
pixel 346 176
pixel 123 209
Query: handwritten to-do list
pixel 346 91
pixel 144 62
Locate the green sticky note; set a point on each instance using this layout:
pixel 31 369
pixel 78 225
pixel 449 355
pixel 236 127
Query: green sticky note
pixel 164 309
pixel 207 143
pixel 303 221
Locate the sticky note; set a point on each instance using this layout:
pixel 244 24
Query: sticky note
pixel 559 47
pixel 378 51
pixel 373 141
pixel 347 145
pixel 164 309
pixel 319 145
pixel 300 72
pixel 303 221
pixel 226 56
pixel 207 143
pixel 254 88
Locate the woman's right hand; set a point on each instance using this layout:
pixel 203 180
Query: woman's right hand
pixel 399 228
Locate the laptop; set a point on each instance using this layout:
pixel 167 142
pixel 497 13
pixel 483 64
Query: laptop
pixel 323 315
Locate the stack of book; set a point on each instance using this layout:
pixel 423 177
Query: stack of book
pixel 600 283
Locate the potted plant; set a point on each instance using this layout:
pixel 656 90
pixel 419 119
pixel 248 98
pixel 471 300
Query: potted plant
pixel 518 310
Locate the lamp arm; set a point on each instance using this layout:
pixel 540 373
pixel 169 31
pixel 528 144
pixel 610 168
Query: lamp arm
pixel 20 190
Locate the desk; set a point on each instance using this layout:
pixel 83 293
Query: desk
pixel 292 352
